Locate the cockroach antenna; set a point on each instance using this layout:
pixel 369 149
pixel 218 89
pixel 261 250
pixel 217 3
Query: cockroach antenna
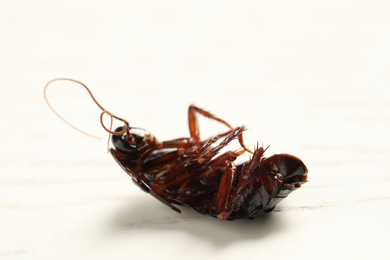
pixel 104 111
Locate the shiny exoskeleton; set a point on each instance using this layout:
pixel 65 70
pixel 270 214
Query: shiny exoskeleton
pixel 191 172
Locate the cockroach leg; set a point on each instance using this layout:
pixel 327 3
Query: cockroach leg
pixel 194 125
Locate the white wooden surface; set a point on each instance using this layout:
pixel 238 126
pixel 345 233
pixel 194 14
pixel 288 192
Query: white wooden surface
pixel 309 77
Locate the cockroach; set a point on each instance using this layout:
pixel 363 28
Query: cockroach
pixel 192 172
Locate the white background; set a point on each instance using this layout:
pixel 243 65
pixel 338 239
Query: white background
pixel 311 78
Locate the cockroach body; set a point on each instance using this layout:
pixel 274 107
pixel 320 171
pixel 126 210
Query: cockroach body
pixel 191 172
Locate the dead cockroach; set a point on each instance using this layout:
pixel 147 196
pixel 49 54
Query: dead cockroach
pixel 191 172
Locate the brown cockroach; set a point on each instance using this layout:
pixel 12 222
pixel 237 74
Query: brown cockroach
pixel 191 172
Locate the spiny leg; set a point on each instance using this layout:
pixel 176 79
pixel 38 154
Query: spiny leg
pixel 231 185
pixel 208 179
pixel 207 154
pixel 194 125
pixel 221 198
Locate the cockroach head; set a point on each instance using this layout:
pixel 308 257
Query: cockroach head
pixel 131 140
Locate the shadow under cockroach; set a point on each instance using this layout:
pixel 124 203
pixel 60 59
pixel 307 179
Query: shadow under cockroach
pixel 146 215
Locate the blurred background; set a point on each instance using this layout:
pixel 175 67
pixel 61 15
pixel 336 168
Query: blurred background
pixel 311 78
